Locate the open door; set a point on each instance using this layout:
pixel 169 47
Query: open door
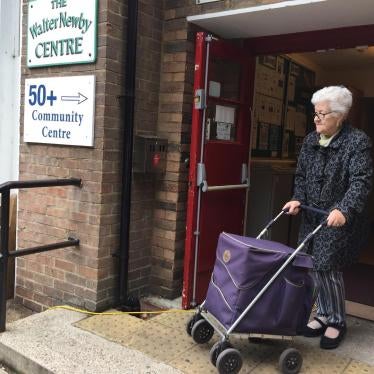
pixel 218 178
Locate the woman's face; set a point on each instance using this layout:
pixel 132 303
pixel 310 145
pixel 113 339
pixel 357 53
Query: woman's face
pixel 327 121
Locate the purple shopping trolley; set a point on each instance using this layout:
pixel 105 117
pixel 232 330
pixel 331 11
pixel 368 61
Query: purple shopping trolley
pixel 260 288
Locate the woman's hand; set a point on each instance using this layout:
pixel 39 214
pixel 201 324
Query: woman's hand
pixel 293 207
pixel 336 218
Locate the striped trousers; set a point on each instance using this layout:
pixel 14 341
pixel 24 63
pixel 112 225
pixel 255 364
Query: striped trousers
pixel 331 296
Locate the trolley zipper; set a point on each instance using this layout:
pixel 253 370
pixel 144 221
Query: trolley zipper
pixel 246 286
pixel 221 293
pixel 253 248
pixel 263 249
pixel 293 283
pixel 231 277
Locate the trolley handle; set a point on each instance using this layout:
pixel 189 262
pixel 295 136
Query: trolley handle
pixel 315 210
pixel 311 209
pixel 283 211
pixel 270 223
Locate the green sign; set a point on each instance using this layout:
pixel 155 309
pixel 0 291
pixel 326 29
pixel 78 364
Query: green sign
pixel 61 32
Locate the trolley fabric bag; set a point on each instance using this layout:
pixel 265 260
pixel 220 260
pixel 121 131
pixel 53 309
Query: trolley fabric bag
pixel 242 268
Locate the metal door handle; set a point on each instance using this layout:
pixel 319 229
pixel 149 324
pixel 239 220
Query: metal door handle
pixel 225 187
pixel 203 184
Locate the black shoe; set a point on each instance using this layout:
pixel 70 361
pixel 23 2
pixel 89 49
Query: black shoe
pixel 312 333
pixel 332 343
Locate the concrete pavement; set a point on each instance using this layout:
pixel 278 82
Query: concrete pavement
pixel 63 341
pixel 49 342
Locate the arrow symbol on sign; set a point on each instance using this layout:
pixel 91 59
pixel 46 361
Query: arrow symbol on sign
pixel 80 98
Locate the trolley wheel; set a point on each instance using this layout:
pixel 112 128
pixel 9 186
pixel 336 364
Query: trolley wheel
pixel 229 361
pixel 290 361
pixel 202 331
pixel 191 322
pixel 217 349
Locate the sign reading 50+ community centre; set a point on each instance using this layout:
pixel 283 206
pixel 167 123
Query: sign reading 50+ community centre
pixel 61 32
pixel 60 110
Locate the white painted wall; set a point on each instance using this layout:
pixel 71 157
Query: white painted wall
pixel 359 78
pixel 10 13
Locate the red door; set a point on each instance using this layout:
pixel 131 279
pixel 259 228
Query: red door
pixel 219 155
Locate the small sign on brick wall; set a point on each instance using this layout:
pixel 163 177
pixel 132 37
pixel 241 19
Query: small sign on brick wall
pixel 60 110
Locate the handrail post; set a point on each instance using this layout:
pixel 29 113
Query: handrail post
pixel 5 189
pixel 5 197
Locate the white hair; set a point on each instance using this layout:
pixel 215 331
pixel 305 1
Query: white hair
pixel 338 97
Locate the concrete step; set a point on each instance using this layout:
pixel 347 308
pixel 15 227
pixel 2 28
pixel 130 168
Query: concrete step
pixel 48 342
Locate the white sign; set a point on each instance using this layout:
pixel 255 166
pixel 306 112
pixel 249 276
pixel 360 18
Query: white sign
pixel 60 110
pixel 61 32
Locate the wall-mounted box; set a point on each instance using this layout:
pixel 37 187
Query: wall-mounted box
pixel 149 154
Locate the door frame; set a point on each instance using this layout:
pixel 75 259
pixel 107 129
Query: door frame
pixel 189 256
pixel 202 54
pixel 340 38
pixel 309 41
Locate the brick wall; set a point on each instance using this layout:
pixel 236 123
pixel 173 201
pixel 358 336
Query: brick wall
pixel 84 276
pixel 146 114
pixel 176 97
pixel 88 276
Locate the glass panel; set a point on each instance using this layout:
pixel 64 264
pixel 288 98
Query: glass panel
pixel 224 79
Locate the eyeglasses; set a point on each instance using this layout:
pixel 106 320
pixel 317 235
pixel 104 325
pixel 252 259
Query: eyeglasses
pixel 322 116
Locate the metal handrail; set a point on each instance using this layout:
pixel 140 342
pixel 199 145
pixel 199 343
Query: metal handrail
pixel 5 189
pixel 10 185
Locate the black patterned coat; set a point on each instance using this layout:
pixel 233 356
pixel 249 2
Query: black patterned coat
pixel 337 176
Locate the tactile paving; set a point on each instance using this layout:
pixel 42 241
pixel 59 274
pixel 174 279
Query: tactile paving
pixel 196 360
pixel 112 327
pixel 317 361
pixel 177 320
pixel 356 367
pixel 164 338
pixel 160 342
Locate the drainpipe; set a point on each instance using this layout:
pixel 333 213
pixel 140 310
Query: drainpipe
pixel 126 302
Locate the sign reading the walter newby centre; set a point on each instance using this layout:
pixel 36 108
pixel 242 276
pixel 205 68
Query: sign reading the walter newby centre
pixel 61 32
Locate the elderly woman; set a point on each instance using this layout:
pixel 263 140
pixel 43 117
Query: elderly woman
pixel 334 173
